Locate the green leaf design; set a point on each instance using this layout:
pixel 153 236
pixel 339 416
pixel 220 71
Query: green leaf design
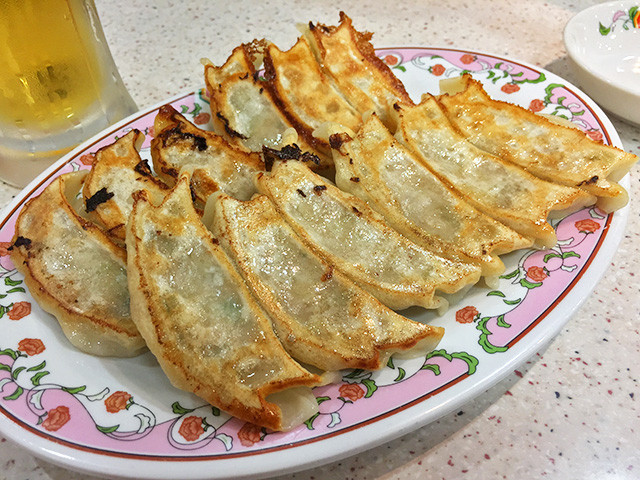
pixel 309 423
pixel 390 362
pixel 549 256
pixel 355 374
pixel 512 302
pixel 215 411
pixel 196 109
pixel 35 380
pixel 15 395
pixel 496 293
pixel 401 374
pixel 632 11
pixel 5 367
pixel 371 387
pixel 483 341
pixel 11 283
pixel 107 429
pixel 541 78
pixel 470 360
pixel 16 372
pixel 179 409
pixel 184 109
pixel 604 31
pixel 9 352
pixel 570 254
pixel 433 367
pixel 502 323
pixel 401 68
pixel 527 284
pixel 37 367
pixel 74 390
pixel 510 275
pixel 16 290
pixel 322 399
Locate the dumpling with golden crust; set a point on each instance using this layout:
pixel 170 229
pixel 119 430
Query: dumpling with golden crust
pixel 550 151
pixel 245 112
pixel 75 272
pixel 321 317
pixel 380 170
pixel 497 188
pixel 304 93
pixel 348 57
pixel 117 172
pixel 202 323
pixel 213 163
pixel 355 239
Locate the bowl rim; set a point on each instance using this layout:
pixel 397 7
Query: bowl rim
pixel 574 52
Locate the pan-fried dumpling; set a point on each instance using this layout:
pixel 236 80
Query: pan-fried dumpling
pixel 117 172
pixel 305 95
pixel 245 112
pixel 75 272
pixel 202 323
pixel 213 163
pixel 348 234
pixel 497 188
pixel 378 169
pixel 348 57
pixel 550 151
pixel 321 317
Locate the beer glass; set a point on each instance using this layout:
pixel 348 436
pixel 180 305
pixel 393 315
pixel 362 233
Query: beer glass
pixel 58 83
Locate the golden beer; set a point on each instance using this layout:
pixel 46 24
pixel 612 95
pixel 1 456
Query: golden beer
pixel 58 82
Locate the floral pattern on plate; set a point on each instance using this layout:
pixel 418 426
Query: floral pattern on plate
pixel 113 409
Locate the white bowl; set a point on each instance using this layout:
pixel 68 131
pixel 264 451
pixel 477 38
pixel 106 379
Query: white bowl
pixel 603 43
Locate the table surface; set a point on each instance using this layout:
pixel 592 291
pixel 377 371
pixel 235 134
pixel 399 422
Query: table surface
pixel 571 411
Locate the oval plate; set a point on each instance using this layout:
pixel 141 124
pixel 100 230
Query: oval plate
pixel 121 417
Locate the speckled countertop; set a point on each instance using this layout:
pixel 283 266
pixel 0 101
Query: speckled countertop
pixel 571 412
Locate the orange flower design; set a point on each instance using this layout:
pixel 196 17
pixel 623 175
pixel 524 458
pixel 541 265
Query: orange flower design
pixel 510 88
pixel 437 70
pixel 31 346
pixel 250 434
pixel 536 105
pixel 19 310
pixel 56 418
pixel 595 135
pixel 537 274
pixel 117 401
pixel 467 314
pixel 390 60
pixel 87 159
pixel 191 428
pixel 201 118
pixel 4 248
pixel 587 225
pixel 467 59
pixel 351 391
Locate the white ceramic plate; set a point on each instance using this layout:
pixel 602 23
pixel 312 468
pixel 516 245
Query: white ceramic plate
pixel 121 417
pixel 603 43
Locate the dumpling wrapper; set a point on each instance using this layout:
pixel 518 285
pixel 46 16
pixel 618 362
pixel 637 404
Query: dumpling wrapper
pixel 497 188
pixel 350 235
pixel 377 168
pixel 117 172
pixel 321 317
pixel 75 272
pixel 545 149
pixel 304 93
pixel 202 323
pixel 245 112
pixel 364 80
pixel 213 163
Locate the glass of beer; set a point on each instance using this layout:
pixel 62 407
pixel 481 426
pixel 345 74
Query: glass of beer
pixel 58 83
